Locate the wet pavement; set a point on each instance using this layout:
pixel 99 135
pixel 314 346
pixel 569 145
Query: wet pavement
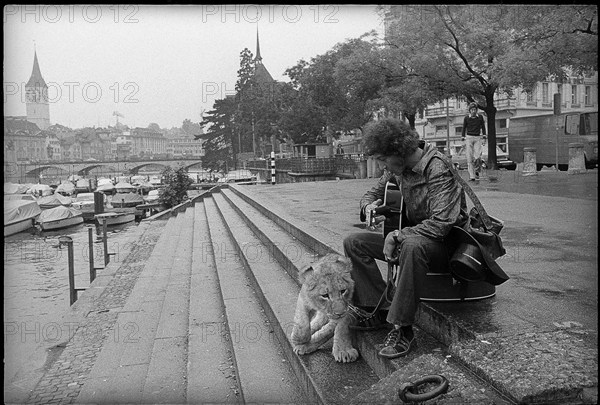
pixel 540 332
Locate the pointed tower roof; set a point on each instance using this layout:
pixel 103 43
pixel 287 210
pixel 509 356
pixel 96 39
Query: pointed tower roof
pixel 257 58
pixel 36 79
pixel 261 73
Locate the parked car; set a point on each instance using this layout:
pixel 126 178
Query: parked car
pixel 459 158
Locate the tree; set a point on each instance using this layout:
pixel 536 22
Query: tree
pixel 220 144
pixel 332 92
pixel 191 128
pixel 479 51
pixel 176 183
pixel 154 127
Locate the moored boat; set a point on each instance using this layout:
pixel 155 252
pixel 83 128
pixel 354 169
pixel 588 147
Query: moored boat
pixel 54 200
pixel 115 218
pixel 126 200
pixel 106 186
pixel 59 217
pixel 19 215
pixel 40 190
pixel 65 188
pixel 83 186
pixel 124 187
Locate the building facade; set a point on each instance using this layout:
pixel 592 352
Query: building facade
pixel 441 123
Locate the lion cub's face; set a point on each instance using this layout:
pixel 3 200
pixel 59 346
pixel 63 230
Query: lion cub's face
pixel 327 285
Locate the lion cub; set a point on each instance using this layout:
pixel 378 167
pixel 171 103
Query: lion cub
pixel 322 308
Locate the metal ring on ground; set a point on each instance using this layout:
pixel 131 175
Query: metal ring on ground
pixel 408 391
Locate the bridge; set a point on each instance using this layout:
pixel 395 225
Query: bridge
pixel 31 172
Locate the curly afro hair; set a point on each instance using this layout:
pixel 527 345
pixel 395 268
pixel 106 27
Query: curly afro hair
pixel 390 136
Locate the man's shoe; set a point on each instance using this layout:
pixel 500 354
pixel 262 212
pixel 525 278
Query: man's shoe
pixel 396 344
pixel 363 320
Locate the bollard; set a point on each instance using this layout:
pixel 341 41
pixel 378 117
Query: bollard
pixel 91 254
pixel 529 162
pixel 272 167
pixel 98 202
pixel 576 159
pixel 362 169
pixel 370 162
pixel 105 243
pixel 67 240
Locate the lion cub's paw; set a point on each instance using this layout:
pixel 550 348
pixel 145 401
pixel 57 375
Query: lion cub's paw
pixel 301 349
pixel 345 356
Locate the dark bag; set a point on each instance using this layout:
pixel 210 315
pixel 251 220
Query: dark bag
pixel 477 244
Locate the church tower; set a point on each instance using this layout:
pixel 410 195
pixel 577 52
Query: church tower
pixel 36 96
pixel 261 74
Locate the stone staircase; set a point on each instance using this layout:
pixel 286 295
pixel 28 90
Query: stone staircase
pixel 210 316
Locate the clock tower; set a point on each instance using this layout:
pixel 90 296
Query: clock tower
pixel 36 96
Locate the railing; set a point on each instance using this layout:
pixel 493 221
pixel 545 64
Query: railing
pixel 339 163
pixel 68 241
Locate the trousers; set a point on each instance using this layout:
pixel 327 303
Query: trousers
pixel 473 144
pixel 417 255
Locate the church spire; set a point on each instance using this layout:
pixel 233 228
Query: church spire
pixel 36 79
pixel 258 58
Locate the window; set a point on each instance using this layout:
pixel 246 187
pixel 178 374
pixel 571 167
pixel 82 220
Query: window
pixel 574 96
pixel 588 123
pixel 588 95
pixel 544 92
pixel 502 123
pixel 530 96
pixel 572 124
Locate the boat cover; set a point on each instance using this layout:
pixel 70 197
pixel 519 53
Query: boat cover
pixel 43 188
pixel 66 187
pixel 54 200
pixel 105 187
pixel 104 181
pixel 83 183
pixel 128 198
pixel 153 195
pixel 124 186
pixel 18 210
pixel 14 188
pixel 54 214
pixel 28 197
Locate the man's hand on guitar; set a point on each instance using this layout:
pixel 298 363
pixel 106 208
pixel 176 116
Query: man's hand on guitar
pixel 373 221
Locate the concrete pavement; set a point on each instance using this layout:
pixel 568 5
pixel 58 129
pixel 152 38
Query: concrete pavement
pixel 547 308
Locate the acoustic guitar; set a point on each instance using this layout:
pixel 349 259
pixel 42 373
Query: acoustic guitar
pixel 392 209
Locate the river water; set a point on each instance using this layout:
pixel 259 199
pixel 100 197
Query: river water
pixel 36 284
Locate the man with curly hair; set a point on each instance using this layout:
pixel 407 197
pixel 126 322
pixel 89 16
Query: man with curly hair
pixel 434 202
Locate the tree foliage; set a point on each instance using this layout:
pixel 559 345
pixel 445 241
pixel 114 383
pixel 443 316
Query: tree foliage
pixel 430 53
pixel 176 183
pixel 478 51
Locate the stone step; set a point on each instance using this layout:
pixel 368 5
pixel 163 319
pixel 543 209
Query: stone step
pixel 254 211
pixel 120 370
pixel 211 373
pixel 166 378
pixel 324 380
pixel 289 251
pixel 264 375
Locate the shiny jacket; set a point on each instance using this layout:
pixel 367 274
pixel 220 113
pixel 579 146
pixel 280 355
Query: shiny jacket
pixel 433 198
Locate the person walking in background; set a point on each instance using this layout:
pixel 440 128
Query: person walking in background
pixel 474 128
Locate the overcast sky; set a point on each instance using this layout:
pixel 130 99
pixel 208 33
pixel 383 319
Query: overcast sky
pixel 159 64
